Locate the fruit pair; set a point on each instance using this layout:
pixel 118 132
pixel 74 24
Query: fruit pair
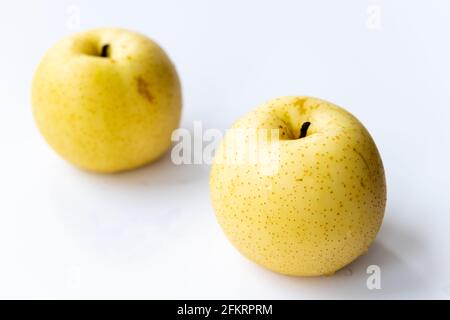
pixel 298 185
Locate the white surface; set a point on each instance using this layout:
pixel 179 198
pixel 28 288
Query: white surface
pixel 151 233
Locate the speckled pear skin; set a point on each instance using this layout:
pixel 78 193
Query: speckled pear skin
pixel 324 205
pixel 107 114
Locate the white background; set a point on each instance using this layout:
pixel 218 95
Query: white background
pixel 151 233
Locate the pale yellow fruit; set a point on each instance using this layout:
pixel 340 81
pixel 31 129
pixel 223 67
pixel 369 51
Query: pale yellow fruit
pixel 107 100
pixel 318 206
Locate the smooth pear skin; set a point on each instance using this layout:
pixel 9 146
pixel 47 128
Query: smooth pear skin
pixel 323 205
pixel 107 113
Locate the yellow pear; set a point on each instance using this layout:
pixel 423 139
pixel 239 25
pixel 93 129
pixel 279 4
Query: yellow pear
pixel 107 99
pixel 306 200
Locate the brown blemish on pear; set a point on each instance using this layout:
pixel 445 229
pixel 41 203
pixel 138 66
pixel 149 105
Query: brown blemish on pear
pixel 362 158
pixel 142 87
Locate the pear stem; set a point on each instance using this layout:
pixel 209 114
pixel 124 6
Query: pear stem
pixel 304 129
pixel 105 51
